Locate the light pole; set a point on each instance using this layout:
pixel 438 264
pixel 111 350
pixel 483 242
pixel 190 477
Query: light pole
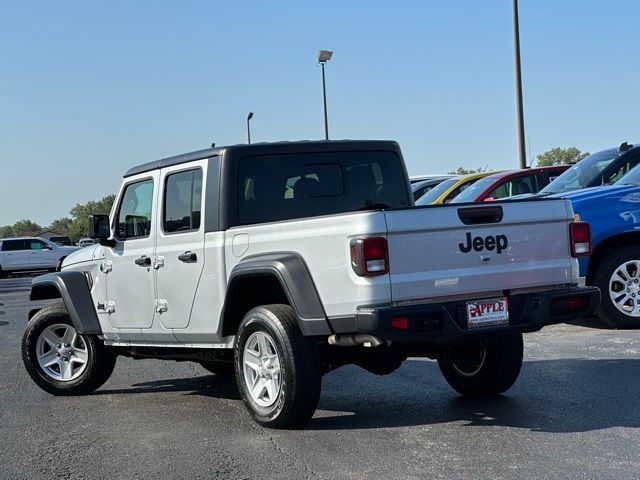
pixel 249 117
pixel 323 57
pixel 522 156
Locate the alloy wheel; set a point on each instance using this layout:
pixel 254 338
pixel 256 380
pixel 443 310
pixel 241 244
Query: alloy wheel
pixel 261 369
pixel 61 352
pixel 624 288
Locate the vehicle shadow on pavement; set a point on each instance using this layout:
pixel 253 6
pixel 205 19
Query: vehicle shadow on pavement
pixel 206 385
pixel 567 395
pixel 592 322
pixel 557 396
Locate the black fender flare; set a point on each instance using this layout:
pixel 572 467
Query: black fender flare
pixel 73 289
pixel 297 283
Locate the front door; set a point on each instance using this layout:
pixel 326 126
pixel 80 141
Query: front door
pixel 129 265
pixel 180 243
pixel 41 254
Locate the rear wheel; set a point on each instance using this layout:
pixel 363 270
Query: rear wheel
pixel 61 361
pixel 277 369
pixel 3 274
pixel 618 278
pixel 485 371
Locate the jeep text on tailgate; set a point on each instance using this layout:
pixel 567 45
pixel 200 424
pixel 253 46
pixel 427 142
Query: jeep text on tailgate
pixel 280 262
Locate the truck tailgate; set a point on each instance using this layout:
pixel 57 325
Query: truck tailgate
pixel 472 249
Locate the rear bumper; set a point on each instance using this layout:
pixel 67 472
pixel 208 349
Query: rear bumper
pixel 446 323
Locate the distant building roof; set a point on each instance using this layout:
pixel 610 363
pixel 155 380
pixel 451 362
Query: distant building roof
pixel 45 234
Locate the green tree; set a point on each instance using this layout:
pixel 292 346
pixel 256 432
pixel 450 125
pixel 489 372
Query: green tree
pixel 6 231
pixel 25 226
pixel 561 156
pixel 80 214
pixel 61 225
pixel 467 171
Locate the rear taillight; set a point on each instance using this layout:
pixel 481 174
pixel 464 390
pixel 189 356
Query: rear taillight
pixel 580 238
pixel 370 256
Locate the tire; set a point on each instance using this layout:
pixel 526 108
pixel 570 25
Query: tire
pixel 49 323
pixel 612 261
pixel 487 371
pixel 295 389
pixel 223 369
pixel 59 267
pixel 3 274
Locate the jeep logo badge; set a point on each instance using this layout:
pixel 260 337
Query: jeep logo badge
pixel 497 243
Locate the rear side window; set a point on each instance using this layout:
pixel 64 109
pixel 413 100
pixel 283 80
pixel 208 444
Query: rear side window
pixel 14 245
pixel 182 201
pixel 134 212
pixel 283 187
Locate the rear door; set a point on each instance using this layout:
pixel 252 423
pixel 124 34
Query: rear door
pixel 449 251
pixel 180 242
pixel 15 253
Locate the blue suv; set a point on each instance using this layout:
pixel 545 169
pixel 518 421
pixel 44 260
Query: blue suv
pixel 613 211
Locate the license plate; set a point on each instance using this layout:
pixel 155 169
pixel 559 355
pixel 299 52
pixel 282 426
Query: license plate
pixel 488 313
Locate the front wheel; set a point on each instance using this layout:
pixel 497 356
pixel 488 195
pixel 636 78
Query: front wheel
pixel 277 369
pixel 618 278
pixel 59 359
pixel 484 371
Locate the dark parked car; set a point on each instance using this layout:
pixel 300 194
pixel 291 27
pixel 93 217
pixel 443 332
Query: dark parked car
pixel 602 168
pixel 510 183
pixel 63 240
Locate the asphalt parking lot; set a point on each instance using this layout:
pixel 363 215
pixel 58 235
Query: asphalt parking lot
pixel 573 413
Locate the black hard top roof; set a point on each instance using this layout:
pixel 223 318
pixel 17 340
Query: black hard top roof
pixel 268 148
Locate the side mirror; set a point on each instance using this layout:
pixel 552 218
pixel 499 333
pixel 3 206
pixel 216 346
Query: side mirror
pixel 47 247
pixel 99 229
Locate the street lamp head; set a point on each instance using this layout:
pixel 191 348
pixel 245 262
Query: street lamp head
pixel 324 56
pixel 250 116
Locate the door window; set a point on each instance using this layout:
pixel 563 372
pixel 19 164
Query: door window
pixel 182 201
pixel 37 245
pixel 134 213
pixel 621 171
pixel 14 245
pixel 516 186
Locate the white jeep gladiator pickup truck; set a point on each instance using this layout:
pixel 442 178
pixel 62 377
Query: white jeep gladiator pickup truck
pixel 278 262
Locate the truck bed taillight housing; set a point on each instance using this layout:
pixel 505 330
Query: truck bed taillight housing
pixel 580 238
pixel 370 256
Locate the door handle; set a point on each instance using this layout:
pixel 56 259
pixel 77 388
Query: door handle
pixel 188 257
pixel 143 261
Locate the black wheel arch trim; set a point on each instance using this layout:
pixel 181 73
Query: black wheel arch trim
pixel 296 281
pixel 72 288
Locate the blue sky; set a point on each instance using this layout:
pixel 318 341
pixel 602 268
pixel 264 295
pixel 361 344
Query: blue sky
pixel 89 89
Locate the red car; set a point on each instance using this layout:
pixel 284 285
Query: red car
pixel 510 183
